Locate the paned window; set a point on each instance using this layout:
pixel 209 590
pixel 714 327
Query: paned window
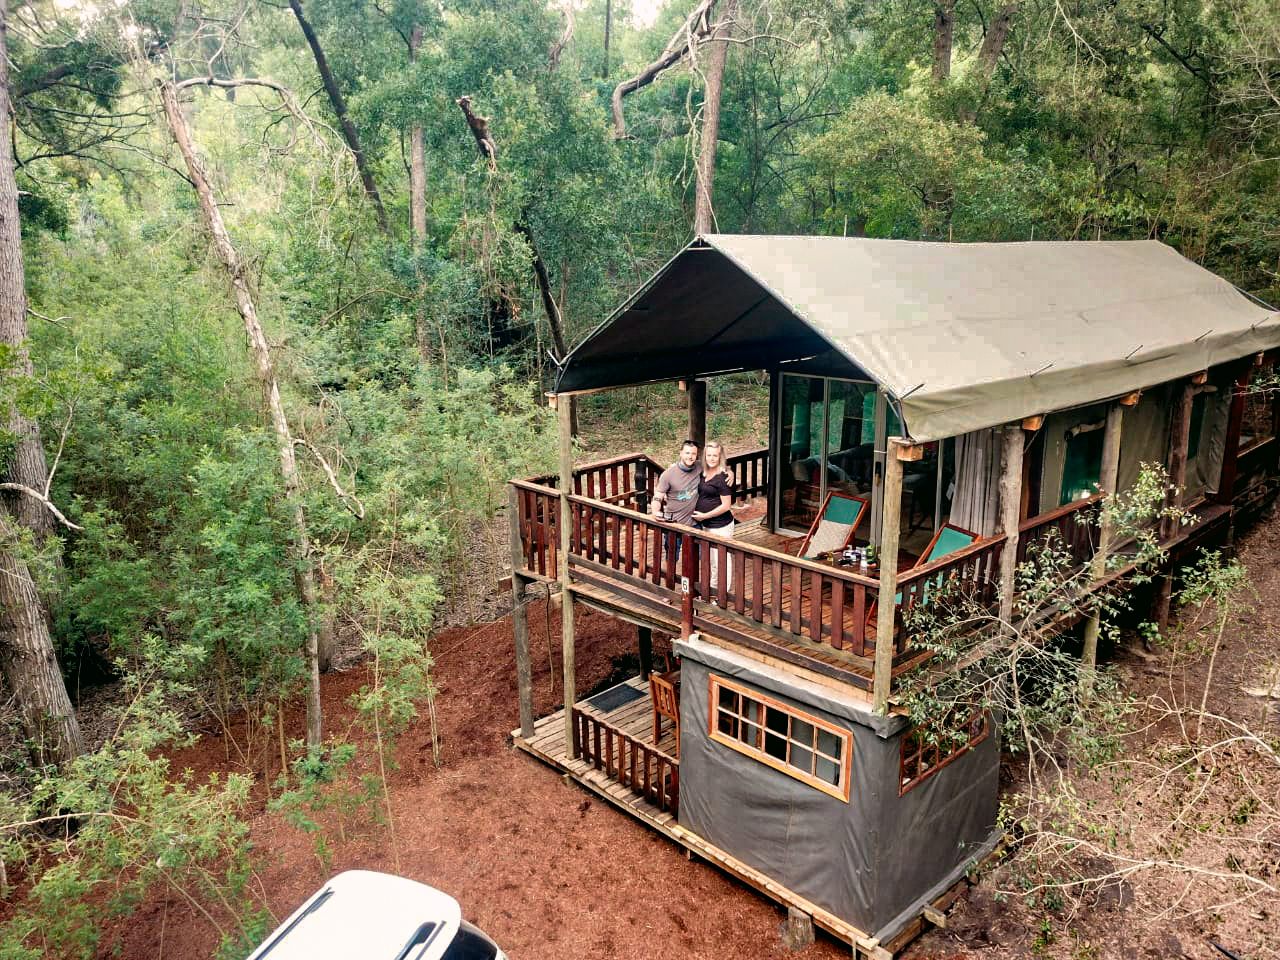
pixel 922 755
pixel 792 741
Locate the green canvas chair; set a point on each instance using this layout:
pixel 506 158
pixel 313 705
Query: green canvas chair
pixel 948 540
pixel 835 525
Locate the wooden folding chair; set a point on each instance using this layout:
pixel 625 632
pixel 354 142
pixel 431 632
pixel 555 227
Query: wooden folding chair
pixel 664 691
pixel 838 510
pixel 948 540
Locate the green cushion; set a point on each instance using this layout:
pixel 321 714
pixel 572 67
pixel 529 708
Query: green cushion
pixel 949 541
pixel 843 510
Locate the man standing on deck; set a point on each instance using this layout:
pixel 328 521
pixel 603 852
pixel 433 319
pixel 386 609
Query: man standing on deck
pixel 676 495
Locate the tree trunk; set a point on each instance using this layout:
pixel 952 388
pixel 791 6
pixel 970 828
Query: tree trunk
pixel 608 29
pixel 418 212
pixel 265 369
pixel 944 24
pixel 27 657
pixel 993 43
pixel 704 217
pixel 339 104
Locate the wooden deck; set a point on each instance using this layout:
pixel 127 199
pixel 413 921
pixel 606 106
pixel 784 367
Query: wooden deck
pixel 636 719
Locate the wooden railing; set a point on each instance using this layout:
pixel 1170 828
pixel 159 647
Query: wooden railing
pixel 750 474
pixel 633 763
pixel 1073 524
pixel 811 601
pixel 1255 463
pixel 974 572
pixel 539 518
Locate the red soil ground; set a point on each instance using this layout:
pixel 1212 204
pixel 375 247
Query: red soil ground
pixel 547 869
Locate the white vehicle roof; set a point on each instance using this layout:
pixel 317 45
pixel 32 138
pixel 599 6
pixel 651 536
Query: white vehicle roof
pixel 372 916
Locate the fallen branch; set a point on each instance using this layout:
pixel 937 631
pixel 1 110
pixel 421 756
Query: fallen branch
pixel 348 499
pixel 695 30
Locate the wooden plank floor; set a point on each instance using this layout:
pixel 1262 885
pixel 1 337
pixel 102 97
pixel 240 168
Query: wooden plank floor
pixel 636 720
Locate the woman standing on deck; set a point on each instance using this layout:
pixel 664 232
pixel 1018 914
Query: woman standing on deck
pixel 715 501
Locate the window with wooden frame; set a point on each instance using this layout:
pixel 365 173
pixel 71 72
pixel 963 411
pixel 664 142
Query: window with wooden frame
pixel 783 737
pixel 1257 423
pixel 922 756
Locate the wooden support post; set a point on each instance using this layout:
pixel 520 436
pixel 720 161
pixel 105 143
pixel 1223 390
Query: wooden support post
pixel 1010 507
pixel 644 640
pixel 696 392
pixel 564 414
pixel 887 611
pixel 1226 491
pixel 520 618
pixel 1179 438
pixel 797 931
pixel 1108 480
pixel 688 571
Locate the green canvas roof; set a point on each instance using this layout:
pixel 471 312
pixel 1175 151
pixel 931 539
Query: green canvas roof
pixel 961 335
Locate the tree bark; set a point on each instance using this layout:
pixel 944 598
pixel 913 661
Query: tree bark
pixel 339 104
pixel 944 24
pixel 608 29
pixel 264 367
pixel 993 43
pixel 704 218
pixel 27 657
pixel 418 211
pixel 694 30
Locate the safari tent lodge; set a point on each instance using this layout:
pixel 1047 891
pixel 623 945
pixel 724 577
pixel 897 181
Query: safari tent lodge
pixel 952 405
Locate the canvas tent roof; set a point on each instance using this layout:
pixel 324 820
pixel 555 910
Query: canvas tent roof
pixel 961 335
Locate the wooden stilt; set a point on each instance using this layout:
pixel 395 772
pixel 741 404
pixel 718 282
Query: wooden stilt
pixel 1179 438
pixel 520 618
pixel 891 525
pixel 797 931
pixel 697 397
pixel 1108 479
pixel 564 415
pixel 1010 504
pixel 644 640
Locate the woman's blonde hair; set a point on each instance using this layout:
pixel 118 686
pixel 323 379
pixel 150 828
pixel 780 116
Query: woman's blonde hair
pixel 724 456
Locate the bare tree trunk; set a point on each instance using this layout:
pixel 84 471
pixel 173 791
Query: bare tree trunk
pixel 608 29
pixel 993 43
pixel 27 657
pixel 694 30
pixel 418 211
pixel 265 369
pixel 704 217
pixel 944 24
pixel 339 104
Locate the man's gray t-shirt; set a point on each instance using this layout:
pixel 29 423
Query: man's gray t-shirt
pixel 681 488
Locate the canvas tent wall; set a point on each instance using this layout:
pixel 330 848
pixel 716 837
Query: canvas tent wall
pixel 961 336
pixel 874 860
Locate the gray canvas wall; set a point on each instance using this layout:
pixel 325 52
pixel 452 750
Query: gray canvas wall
pixel 866 860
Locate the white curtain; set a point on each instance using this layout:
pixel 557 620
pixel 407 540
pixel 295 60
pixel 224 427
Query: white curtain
pixel 976 505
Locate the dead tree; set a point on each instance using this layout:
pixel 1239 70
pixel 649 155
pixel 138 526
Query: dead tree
pixel 944 25
pixel 264 367
pixel 418 210
pixel 339 104
pixel 488 148
pixel 694 31
pixel 27 657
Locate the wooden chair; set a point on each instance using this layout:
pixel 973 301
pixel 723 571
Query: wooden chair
pixel 664 691
pixel 948 540
pixel 842 509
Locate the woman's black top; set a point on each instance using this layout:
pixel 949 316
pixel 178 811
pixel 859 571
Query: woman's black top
pixel 709 493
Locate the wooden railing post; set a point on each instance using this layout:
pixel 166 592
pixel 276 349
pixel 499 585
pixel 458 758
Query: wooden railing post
pixel 891 524
pixel 688 570
pixel 520 618
pixel 1179 439
pixel 1010 506
pixel 564 415
pixel 1108 480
